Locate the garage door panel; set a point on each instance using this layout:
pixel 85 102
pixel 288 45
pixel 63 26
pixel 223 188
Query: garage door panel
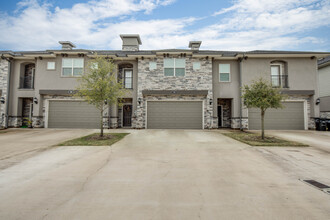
pixel 72 114
pixel 175 114
pixel 291 117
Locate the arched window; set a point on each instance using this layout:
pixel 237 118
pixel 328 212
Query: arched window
pixel 279 73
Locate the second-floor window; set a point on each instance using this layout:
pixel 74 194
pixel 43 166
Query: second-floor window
pixel 224 72
pixel 128 79
pixel 72 66
pixel 51 65
pixel 278 76
pixel 174 67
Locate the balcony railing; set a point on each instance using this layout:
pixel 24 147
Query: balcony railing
pixel 26 82
pixel 280 81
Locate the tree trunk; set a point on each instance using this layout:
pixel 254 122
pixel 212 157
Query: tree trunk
pixel 101 134
pixel 262 124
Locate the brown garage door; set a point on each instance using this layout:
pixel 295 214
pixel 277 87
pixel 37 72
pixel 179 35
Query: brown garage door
pixel 175 114
pixel 291 117
pixel 72 114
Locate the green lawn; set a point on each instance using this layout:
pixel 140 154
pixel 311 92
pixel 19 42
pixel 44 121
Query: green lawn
pixel 94 140
pixel 3 131
pixel 254 139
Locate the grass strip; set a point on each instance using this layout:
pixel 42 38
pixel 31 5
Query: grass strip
pixel 254 139
pixel 95 140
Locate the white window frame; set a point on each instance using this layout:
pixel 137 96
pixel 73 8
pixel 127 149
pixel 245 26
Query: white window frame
pixel 51 68
pixel 277 64
pixel 174 75
pixel 228 73
pixel 124 78
pixel 72 66
pixel 280 65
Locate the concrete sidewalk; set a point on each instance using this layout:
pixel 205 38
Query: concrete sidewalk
pixel 158 174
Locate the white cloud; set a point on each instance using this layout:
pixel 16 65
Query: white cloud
pixel 268 24
pixel 246 25
pixel 37 26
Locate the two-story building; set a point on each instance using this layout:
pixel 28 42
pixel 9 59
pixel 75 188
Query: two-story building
pixel 324 86
pixel 172 88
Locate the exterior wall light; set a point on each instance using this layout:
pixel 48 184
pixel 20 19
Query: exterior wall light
pixel 139 101
pixel 35 100
pixel 2 100
pixel 211 101
pixel 317 101
pixel 105 102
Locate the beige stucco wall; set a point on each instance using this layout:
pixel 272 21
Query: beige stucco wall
pixel 51 80
pixel 228 90
pixel 302 75
pixel 324 81
pixel 324 88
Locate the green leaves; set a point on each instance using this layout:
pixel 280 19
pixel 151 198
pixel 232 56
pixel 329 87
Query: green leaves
pixel 261 94
pixel 100 83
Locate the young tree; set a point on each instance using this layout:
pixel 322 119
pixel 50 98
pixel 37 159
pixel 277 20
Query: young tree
pixel 260 94
pixel 99 85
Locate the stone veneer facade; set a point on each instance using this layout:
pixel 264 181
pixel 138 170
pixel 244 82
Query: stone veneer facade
pixel 3 87
pixel 325 115
pixel 155 80
pixel 236 125
pixel 226 112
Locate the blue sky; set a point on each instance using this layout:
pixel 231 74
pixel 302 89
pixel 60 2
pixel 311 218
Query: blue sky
pixel 302 25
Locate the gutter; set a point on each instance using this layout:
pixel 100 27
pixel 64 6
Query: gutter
pixel 240 92
pixel 8 90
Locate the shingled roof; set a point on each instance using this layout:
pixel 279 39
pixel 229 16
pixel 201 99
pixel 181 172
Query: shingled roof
pixel 324 61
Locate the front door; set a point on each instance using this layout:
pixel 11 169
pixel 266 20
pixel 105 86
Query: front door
pixel 127 115
pixel 220 116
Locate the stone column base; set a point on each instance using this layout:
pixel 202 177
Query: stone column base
pixel 38 121
pixel 15 122
pixel 235 123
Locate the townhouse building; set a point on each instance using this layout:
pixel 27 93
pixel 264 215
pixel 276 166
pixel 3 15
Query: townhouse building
pixel 170 88
pixel 324 86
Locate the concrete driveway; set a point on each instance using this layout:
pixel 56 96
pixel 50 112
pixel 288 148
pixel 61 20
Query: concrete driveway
pixel 305 163
pixel 18 144
pixel 316 139
pixel 160 174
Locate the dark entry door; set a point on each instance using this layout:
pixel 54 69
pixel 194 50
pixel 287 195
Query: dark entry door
pixel 219 116
pixel 127 115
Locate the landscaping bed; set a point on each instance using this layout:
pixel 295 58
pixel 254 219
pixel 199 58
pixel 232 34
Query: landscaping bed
pixel 254 139
pixel 95 140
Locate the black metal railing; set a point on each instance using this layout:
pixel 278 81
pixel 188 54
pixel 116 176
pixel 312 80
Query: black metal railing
pixel 280 81
pixel 26 82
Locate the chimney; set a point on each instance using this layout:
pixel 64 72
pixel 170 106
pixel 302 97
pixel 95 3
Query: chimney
pixel 67 45
pixel 131 42
pixel 195 45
